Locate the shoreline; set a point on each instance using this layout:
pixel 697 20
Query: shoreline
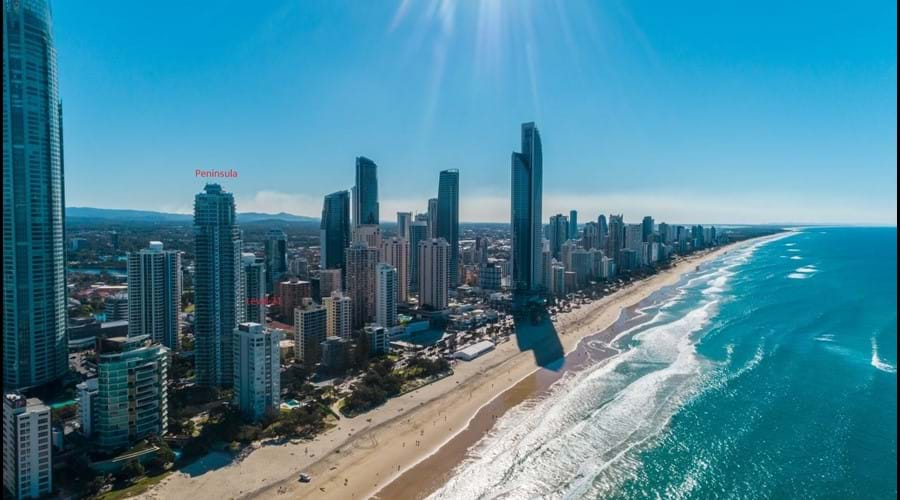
pixel 381 451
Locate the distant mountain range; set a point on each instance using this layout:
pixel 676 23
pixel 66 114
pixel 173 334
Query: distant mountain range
pixel 115 214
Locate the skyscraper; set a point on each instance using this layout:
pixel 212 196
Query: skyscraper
pixel 253 280
pixel 634 236
pixel 527 182
pixel 448 218
pixel 616 237
pixel 604 231
pixel 395 251
pixel 276 257
pixel 559 233
pixel 647 228
pixel 434 259
pixel 334 230
pixel 418 231
pixel 573 224
pixel 365 192
pixel 404 219
pixel 154 294
pixel 257 370
pixel 432 217
pixel 361 261
pixel 218 294
pixel 370 234
pixel 591 238
pixel 132 391
pixel 34 279
pixel 386 284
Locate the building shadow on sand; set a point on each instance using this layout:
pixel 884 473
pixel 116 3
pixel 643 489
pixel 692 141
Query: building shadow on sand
pixel 536 333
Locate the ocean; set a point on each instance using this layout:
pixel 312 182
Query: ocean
pixel 767 373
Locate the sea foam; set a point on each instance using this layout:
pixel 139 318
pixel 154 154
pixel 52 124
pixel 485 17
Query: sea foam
pixel 877 362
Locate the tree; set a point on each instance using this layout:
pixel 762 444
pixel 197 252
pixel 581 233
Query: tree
pixel 95 485
pixel 131 471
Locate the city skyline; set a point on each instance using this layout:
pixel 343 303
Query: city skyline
pixel 745 152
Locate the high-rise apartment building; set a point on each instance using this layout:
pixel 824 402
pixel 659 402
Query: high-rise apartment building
pixel 604 232
pixel 365 193
pixel 132 391
pixel 370 234
pixel 616 237
pixel 334 230
pixel 418 231
pixel 27 464
pixel 647 228
pixel 310 330
pixel 448 218
pixel 218 294
pixel 395 251
pixel 386 284
pixel 591 238
pixel 434 259
pixel 432 217
pixel 253 280
pixel 276 257
pixel 573 225
pixel 634 237
pixel 361 261
pixel 257 370
pixel 330 281
pixel 338 310
pixel 154 294
pixel 291 294
pixel 404 219
pixel 527 182
pixel 489 276
pixel 35 349
pixel 558 233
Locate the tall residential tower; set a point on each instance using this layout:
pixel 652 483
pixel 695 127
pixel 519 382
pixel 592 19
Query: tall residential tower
pixel 218 293
pixel 34 268
pixel 527 181
pixel 448 219
pixel 365 192
pixel 154 294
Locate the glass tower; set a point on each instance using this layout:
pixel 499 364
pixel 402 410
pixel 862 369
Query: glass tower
pixel 365 193
pixel 276 257
pixel 335 231
pixel 448 219
pixel 132 396
pixel 34 279
pixel 573 225
pixel 218 292
pixel 527 181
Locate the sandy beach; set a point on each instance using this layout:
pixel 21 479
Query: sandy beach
pixel 368 454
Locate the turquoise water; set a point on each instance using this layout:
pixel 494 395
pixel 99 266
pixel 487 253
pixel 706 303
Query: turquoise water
pixel 770 373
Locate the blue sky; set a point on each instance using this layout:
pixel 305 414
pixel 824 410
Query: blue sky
pixel 707 111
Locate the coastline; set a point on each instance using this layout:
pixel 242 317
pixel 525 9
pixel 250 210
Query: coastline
pixel 384 451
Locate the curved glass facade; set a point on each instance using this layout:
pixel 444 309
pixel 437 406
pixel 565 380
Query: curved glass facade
pixel 34 281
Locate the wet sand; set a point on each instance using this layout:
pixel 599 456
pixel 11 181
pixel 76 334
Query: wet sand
pixel 426 432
